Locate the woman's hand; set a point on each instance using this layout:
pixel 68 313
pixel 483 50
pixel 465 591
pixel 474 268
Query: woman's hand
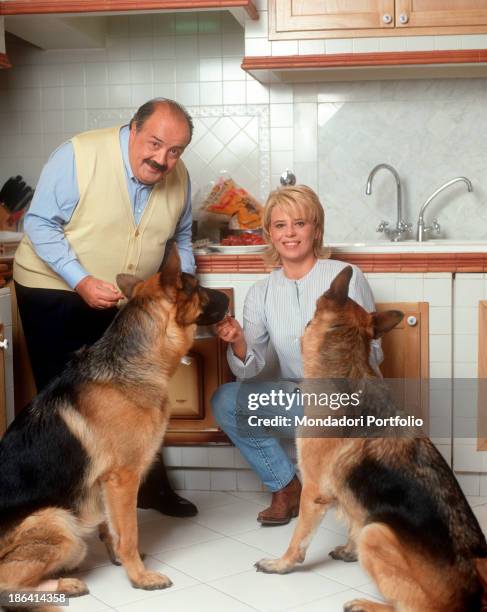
pixel 231 331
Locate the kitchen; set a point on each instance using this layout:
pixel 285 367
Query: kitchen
pixel 330 125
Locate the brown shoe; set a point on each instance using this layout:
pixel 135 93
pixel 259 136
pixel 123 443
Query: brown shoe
pixel 284 505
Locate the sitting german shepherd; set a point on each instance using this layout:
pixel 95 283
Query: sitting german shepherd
pixel 409 522
pixel 74 457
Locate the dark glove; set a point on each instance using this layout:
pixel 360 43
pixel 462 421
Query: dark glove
pixel 16 194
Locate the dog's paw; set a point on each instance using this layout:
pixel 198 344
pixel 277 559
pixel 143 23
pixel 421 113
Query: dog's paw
pixel 342 553
pixel 150 581
pixel 357 605
pixel 273 566
pixel 72 587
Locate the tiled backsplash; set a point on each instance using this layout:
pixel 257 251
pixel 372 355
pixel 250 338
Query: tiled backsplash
pixel 330 134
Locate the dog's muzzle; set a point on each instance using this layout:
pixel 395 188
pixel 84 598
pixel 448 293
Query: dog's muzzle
pixel 216 308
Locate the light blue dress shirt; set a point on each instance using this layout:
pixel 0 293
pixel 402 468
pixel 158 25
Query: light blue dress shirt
pixel 56 197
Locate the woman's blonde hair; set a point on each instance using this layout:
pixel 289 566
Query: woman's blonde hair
pixel 296 201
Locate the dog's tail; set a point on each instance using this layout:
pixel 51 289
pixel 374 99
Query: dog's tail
pixel 38 546
pixel 481 567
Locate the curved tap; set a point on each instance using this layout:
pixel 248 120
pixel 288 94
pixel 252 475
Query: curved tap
pixel 401 226
pixel 421 228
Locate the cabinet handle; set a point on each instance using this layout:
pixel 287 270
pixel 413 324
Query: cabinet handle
pixel 4 343
pixel 403 18
pixel 412 320
pixel 386 18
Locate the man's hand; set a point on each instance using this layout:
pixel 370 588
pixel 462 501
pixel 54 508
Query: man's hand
pixel 231 331
pixel 97 293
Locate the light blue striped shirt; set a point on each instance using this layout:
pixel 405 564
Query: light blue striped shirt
pixel 56 197
pixel 277 310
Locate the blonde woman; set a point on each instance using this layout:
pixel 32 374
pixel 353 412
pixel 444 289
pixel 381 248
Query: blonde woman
pixel 276 311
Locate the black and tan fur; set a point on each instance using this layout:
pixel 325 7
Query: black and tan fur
pixel 74 457
pixel 409 523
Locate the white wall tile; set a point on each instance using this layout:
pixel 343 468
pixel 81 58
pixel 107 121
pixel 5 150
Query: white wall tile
pixel 281 93
pixel 305 132
pixel 96 96
pixel 141 72
pixel 223 480
pixel 232 70
pixel 311 47
pixel 210 69
pixel 210 45
pixel 119 96
pixel 257 28
pixel 440 348
pixel 466 320
pixel 248 480
pixel 172 455
pixel 421 43
pixel 257 93
pixel 257 47
pixel 74 98
pixel 141 48
pixel 96 74
pixel 233 45
pixel 118 49
pixel 470 483
pixel 52 98
pixel 140 25
pixel 187 70
pixel 197 480
pixel 164 47
pixel 468 291
pixel 282 160
pixel 437 291
pixel 282 139
pixel 211 94
pixel 221 457
pixel 338 45
pixel 188 93
pixel 440 320
pixel 194 457
pixel 234 92
pixel 284 47
pixel 119 73
pixel 186 46
pixel 466 348
pixel 466 370
pixel 140 93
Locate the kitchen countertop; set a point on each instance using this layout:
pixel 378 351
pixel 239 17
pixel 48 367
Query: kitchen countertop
pixel 408 256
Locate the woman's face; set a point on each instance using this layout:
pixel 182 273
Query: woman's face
pixel 292 236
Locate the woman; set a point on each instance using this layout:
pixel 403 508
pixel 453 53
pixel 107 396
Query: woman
pixel 276 310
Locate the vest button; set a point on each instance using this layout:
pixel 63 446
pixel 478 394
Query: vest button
pixel 137 233
pixel 131 266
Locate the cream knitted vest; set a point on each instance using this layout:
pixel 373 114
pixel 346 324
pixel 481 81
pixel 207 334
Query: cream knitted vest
pixel 102 230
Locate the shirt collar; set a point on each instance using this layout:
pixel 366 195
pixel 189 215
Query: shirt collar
pixel 124 144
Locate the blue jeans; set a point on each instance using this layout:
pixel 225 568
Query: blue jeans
pixel 264 454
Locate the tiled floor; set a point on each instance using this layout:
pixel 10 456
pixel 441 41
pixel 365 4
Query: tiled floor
pixel 210 561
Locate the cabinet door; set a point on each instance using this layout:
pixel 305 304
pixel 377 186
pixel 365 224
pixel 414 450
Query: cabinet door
pixel 323 17
pixel 431 13
pixel 3 407
pixel 406 356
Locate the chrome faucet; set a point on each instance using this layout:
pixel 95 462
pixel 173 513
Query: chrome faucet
pixel 422 231
pixel 402 228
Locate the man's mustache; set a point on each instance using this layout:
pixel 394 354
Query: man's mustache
pixel 155 165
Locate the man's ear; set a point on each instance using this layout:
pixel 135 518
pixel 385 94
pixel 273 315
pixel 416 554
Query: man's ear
pixel 385 321
pixel 170 269
pixel 126 283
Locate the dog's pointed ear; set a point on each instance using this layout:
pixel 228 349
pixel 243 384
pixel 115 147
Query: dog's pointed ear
pixel 126 283
pixel 338 291
pixel 385 321
pixel 170 269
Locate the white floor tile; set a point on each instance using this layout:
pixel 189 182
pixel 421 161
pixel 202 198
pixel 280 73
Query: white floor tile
pixel 159 535
pixel 262 498
pixel 97 555
pixel 209 499
pixel 475 500
pixel 212 560
pixel 231 519
pixel 110 584
pixel 86 603
pixel 269 592
pixel 196 598
pixel 334 603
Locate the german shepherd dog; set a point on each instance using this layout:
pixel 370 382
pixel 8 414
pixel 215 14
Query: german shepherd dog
pixel 409 523
pixel 74 457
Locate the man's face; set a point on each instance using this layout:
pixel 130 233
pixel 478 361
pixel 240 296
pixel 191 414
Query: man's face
pixel 157 146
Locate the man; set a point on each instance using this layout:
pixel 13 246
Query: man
pixel 107 201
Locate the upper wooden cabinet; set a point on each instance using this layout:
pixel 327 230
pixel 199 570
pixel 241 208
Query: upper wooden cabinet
pixel 296 19
pixel 36 7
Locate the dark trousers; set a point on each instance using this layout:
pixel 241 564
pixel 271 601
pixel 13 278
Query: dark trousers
pixel 56 324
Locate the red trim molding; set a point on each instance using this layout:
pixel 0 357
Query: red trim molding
pixel 37 7
pixel 367 262
pixel 4 61
pixel 354 60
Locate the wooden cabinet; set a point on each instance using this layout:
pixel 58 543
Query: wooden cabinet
pixel 406 356
pixel 299 19
pixel 6 373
